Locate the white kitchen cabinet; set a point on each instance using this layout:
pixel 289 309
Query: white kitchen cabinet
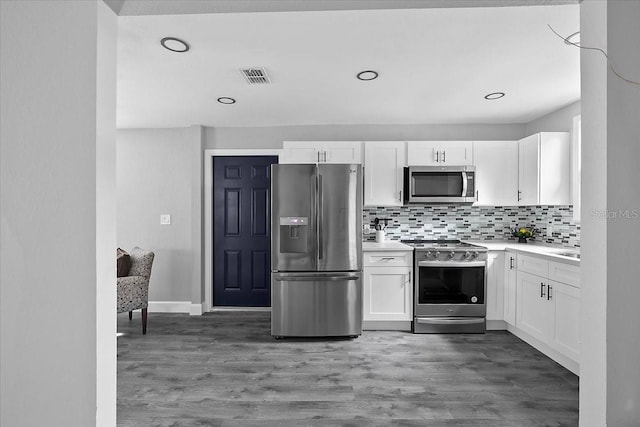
pixel 384 163
pixel 387 293
pixel 566 309
pixel 547 310
pixel 534 313
pixel 496 165
pixel 510 278
pixel 321 152
pixel 439 153
pixel 495 285
pixel 544 169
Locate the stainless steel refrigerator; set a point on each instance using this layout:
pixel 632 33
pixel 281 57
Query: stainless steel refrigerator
pixel 316 250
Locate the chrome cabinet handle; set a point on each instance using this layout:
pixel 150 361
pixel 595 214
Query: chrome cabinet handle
pixel 542 294
pixel 318 155
pixel 400 195
pixel 444 158
pixel 549 288
pixel 519 192
pixel 325 156
pixel 437 157
pixel 387 258
pixel 477 193
pixel 510 263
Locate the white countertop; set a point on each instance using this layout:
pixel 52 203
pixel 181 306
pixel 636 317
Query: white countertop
pixel 545 250
pixel 389 245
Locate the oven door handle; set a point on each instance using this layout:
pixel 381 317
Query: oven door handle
pixel 450 321
pixel 452 264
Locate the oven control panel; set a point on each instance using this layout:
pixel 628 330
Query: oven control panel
pixel 445 255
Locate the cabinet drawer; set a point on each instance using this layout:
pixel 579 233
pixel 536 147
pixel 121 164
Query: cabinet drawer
pixel 533 265
pixel 564 273
pixel 388 259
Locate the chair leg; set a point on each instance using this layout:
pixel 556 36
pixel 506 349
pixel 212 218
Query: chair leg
pixel 130 315
pixel 144 321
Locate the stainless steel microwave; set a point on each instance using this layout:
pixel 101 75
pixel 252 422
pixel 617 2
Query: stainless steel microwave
pixel 440 184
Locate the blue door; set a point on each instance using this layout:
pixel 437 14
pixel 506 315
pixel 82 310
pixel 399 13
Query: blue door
pixel 241 230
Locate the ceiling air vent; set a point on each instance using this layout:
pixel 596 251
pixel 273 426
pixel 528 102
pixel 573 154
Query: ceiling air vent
pixel 255 76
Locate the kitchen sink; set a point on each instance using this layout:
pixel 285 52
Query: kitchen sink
pixel 570 254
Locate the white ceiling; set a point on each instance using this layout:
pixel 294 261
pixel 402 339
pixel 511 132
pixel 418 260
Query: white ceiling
pixel 435 66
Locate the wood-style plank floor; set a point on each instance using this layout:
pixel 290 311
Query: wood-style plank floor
pixel 225 369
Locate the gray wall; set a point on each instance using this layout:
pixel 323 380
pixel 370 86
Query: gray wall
pixel 56 166
pixel 560 120
pixel 272 137
pixel 623 195
pixel 155 175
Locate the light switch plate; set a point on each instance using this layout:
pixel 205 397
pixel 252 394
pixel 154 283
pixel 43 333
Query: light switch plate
pixel 165 219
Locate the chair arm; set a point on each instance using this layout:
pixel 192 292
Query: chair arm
pixel 133 293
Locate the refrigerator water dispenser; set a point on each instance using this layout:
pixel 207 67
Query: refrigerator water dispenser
pixel 293 234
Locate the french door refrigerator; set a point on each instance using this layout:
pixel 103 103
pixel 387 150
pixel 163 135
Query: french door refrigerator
pixel 316 250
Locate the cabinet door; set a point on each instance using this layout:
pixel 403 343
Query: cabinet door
pixel 495 285
pixel 510 263
pixel 534 312
pixel 439 153
pixel 383 173
pixel 300 152
pixel 555 168
pixel 496 172
pixel 456 153
pixel 566 334
pixel 341 152
pixel 387 293
pixel 528 168
pixel 423 153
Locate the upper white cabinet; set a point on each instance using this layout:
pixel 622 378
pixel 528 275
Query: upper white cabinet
pixel 544 169
pixel 439 153
pixel 496 165
pixel 383 172
pixel 321 152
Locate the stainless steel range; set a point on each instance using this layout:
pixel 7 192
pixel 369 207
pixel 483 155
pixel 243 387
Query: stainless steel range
pixel 449 286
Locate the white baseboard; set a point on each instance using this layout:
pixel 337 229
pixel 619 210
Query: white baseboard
pixel 196 310
pixel 386 325
pixel 170 307
pixel 496 325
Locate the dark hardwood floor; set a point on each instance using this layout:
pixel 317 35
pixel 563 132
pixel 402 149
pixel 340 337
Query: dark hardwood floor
pixel 225 369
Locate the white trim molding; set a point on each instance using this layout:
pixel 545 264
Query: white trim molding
pixel 208 213
pixel 170 306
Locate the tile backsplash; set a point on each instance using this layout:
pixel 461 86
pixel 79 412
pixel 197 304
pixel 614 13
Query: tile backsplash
pixel 473 222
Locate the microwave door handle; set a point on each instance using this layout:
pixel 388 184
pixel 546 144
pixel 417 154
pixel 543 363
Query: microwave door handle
pixel 464 184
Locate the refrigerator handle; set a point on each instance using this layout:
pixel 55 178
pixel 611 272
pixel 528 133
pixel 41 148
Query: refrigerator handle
pixel 320 209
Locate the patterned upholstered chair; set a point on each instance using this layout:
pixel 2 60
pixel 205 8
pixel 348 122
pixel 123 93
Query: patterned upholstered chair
pixel 133 290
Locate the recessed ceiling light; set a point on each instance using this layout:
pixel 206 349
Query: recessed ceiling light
pixel 175 45
pixel 367 75
pixel 573 39
pixel 494 95
pixel 226 100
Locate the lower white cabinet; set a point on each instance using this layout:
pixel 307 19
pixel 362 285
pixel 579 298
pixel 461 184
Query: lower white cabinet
pixel 495 285
pixel 549 311
pixel 566 332
pixel 510 279
pixel 387 293
pixel 535 311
